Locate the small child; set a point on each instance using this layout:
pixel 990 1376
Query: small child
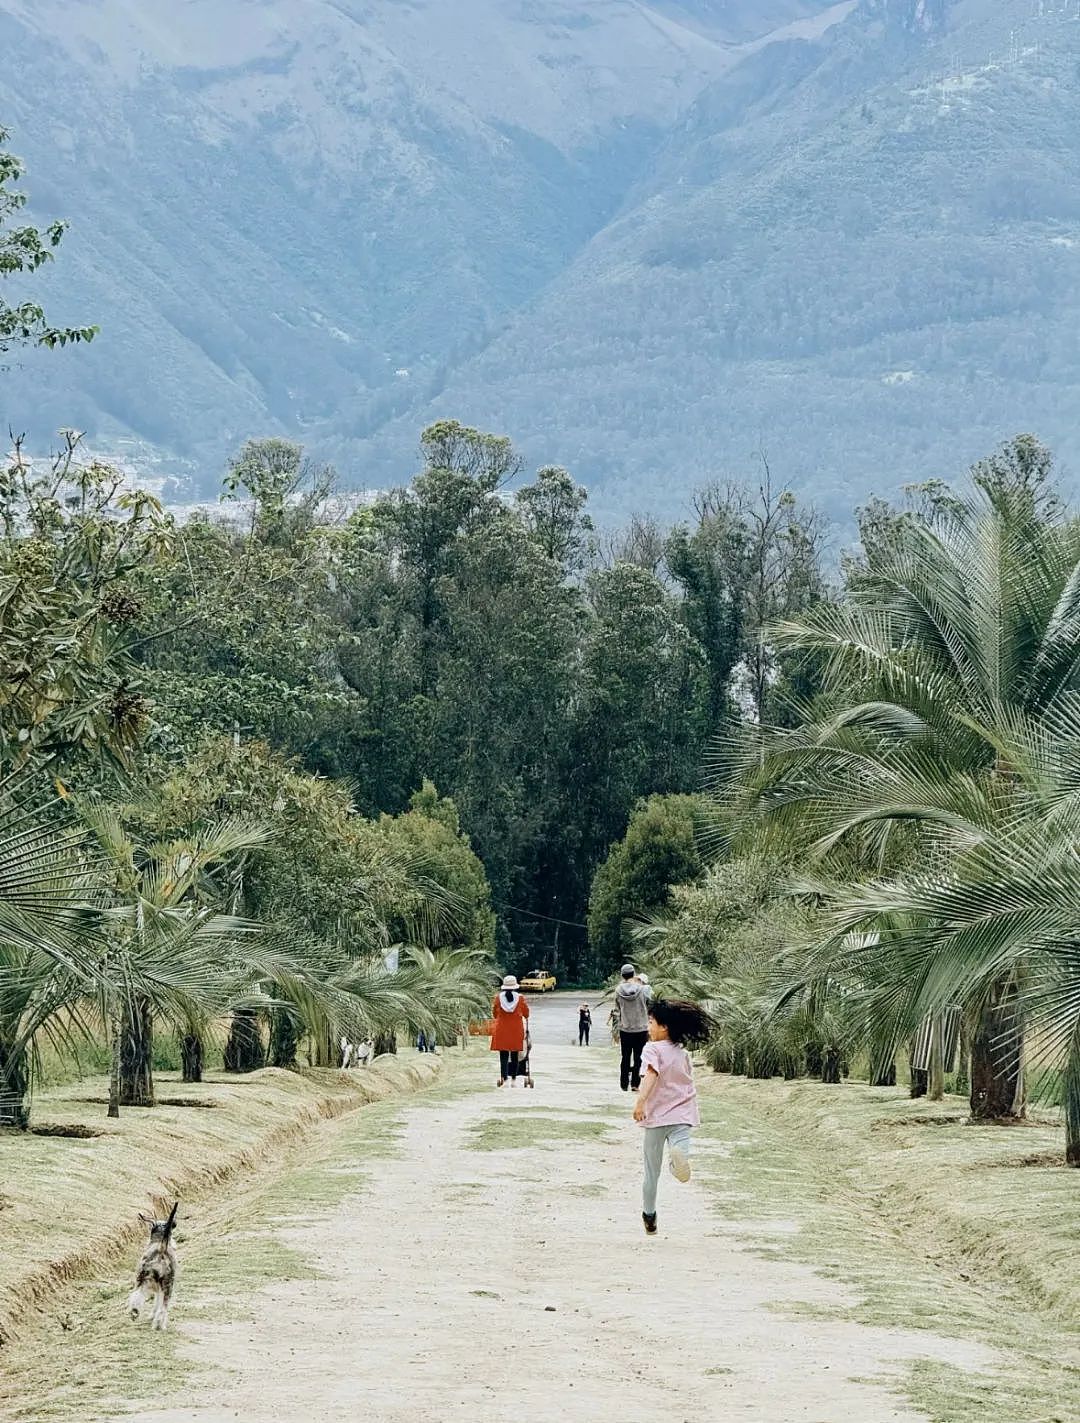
pixel 667 1099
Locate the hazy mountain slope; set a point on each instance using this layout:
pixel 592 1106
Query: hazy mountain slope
pixel 279 205
pixel 863 253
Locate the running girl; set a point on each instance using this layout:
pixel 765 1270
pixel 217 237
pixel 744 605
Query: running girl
pixel 667 1099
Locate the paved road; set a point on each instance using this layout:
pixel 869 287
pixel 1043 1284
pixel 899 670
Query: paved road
pixel 554 1018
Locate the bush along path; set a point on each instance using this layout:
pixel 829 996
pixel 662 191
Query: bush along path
pixel 478 1253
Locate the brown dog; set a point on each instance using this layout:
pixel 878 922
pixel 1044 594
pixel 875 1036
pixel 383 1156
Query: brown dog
pixel 157 1272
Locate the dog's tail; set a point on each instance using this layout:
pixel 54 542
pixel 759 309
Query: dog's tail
pixel 171 1220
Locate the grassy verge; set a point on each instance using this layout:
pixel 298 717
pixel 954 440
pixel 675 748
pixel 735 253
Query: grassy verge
pixel 964 1231
pixel 533 1130
pixel 68 1202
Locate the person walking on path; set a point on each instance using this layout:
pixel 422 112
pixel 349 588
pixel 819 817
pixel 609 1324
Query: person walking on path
pixel 631 1005
pixel 667 1103
pixel 584 1023
pixel 510 1012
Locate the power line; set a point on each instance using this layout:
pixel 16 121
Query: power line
pixel 516 909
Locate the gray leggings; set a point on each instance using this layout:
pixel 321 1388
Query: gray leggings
pixel 678 1137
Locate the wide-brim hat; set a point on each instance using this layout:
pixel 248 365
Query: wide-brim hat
pixel 510 981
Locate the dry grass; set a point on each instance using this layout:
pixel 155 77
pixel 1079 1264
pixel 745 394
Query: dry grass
pixel 998 1197
pixel 71 1202
pixel 932 1223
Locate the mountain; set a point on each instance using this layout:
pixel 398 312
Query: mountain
pixel 279 205
pixel 859 253
pixel 646 238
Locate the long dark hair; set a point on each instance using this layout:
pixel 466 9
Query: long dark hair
pixel 508 994
pixel 687 1023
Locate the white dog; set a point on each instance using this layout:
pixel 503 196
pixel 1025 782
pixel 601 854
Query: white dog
pixel 357 1054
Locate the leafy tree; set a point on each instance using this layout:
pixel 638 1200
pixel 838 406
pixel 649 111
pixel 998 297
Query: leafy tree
pixel 418 528
pixel 732 940
pixel 334 891
pixel 505 654
pixel 74 546
pixel 286 492
pixel 238 628
pixel 709 565
pixel 430 834
pixel 1002 910
pixel 658 851
pixel 553 510
pixel 750 559
pixel 24 250
pixel 640 718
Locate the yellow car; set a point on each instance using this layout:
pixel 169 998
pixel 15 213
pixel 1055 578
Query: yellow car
pixel 539 982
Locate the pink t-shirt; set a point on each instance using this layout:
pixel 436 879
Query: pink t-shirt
pixel 673 1099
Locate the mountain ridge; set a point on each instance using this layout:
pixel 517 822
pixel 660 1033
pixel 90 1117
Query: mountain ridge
pixel 642 239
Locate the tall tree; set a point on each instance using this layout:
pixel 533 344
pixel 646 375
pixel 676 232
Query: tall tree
pixel 506 638
pixel 553 510
pixel 640 705
pixel 74 544
pixel 23 250
pixel 658 851
pixel 751 558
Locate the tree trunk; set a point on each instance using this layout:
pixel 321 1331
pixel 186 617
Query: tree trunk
pixel 997 1076
pixel 882 1065
pixel 191 1057
pixel 1072 1103
pixel 116 1032
pixel 920 1082
pixel 14 1083
pixel 283 1039
pixel 936 1073
pixel 815 1060
pixel 830 1067
pixel 386 1042
pixel 136 1086
pixel 325 1049
pixel 244 1049
pixel 962 1080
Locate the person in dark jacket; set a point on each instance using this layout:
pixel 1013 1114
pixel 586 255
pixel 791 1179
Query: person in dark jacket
pixel 584 1023
pixel 632 1007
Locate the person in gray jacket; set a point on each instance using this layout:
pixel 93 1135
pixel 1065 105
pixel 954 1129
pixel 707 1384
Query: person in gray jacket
pixel 632 1007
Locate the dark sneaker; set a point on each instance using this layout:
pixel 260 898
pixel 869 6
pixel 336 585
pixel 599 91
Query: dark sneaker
pixel 649 1222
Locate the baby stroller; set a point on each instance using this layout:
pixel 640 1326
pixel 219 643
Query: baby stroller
pixel 524 1070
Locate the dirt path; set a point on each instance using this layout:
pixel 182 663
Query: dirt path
pixel 494 1266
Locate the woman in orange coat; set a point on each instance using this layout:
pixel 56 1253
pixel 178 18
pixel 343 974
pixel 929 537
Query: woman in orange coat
pixel 509 1011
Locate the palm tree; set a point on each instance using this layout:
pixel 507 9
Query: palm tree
pixel 962 629
pixel 165 950
pixel 1007 909
pixel 50 892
